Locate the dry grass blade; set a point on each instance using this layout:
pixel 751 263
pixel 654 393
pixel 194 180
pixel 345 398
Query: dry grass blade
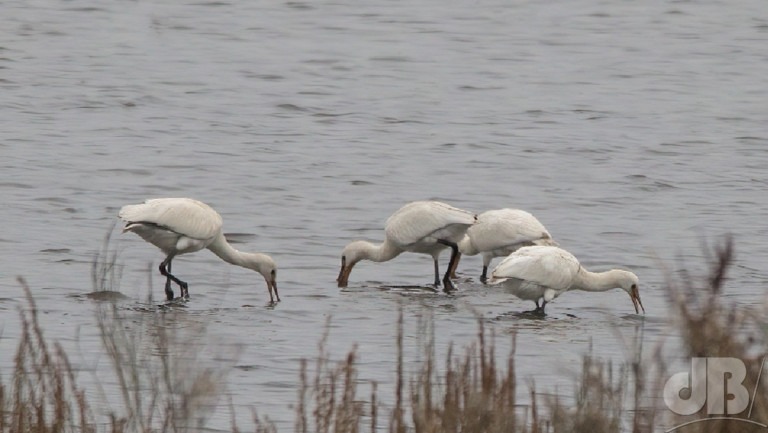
pixel 334 391
pixel 43 396
pixel 711 328
pixel 105 272
pixel 471 392
pixel 473 395
pixel 599 400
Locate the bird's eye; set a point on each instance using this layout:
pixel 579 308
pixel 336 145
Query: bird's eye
pixel 273 273
pixel 634 286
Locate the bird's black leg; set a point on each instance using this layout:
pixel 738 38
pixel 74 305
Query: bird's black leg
pixel 169 277
pixel 163 271
pixel 183 285
pixel 168 281
pixel 484 277
pixel 437 274
pixel 454 267
pixel 447 283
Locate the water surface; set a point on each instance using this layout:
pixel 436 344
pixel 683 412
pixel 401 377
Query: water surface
pixel 631 130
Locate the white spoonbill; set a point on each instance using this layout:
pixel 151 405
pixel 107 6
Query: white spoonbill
pixel 426 227
pixel 546 272
pixel 183 225
pixel 500 232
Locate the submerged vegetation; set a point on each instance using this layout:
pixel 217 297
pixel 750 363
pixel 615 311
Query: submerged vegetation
pixel 464 392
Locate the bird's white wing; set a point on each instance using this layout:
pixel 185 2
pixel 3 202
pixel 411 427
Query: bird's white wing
pixel 419 219
pixel 191 218
pixel 546 266
pixel 505 227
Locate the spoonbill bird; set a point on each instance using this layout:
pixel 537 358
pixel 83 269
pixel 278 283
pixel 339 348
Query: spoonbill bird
pixel 426 227
pixel 183 225
pixel 546 272
pixel 501 232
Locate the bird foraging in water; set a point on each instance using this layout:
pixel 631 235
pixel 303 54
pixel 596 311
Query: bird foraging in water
pixel 546 272
pixel 426 227
pixel 183 225
pixel 501 232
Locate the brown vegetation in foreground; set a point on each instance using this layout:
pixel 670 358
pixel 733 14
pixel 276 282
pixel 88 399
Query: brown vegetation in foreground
pixel 712 328
pixel 468 392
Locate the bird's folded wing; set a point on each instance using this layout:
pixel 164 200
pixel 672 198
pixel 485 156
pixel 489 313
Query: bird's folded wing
pixel 491 233
pixel 188 217
pixel 417 220
pixel 548 270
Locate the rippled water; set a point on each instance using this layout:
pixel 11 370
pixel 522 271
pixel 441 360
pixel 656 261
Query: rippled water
pixel 633 130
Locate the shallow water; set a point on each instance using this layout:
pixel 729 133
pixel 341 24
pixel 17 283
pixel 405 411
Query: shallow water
pixel 631 130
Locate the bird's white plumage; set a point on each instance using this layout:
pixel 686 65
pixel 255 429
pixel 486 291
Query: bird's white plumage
pixel 422 220
pixel 545 266
pixel 185 216
pixel 546 272
pixel 183 225
pixel 501 231
pixel 425 227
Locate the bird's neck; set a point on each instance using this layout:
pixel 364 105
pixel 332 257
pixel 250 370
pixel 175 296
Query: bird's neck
pixel 597 281
pixel 382 252
pixel 224 250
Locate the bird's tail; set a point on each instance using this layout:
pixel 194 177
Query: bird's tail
pixel 130 214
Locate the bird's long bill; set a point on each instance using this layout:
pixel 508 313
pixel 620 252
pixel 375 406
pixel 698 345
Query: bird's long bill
pixel 635 295
pixel 343 278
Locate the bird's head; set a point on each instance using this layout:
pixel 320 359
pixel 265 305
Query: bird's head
pixel 630 283
pixel 267 267
pixel 353 253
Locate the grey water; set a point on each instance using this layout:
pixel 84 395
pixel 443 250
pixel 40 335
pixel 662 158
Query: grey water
pixel 635 131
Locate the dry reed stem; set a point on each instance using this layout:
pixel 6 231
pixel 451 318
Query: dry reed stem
pixel 469 393
pixel 713 328
pixel 105 273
